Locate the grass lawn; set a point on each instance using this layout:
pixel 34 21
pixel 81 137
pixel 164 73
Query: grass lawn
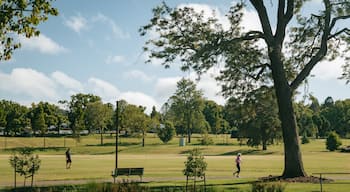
pixel 164 163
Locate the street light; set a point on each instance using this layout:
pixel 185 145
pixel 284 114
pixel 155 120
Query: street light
pixel 116 135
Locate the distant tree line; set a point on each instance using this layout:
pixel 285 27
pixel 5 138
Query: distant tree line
pixel 253 119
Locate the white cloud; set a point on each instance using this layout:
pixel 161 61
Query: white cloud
pixel 66 81
pixel 209 86
pixel 25 85
pixel 250 21
pixel 104 89
pixel 42 43
pixel 165 87
pixel 118 33
pixel 136 74
pixel 28 82
pixel 327 70
pixel 115 59
pixel 138 98
pixel 76 23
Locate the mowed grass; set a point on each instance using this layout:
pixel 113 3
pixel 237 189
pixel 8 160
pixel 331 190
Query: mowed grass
pixel 164 163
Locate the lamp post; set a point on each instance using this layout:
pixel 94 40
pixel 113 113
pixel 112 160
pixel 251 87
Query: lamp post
pixel 116 135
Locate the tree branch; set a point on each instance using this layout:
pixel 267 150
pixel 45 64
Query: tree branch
pixel 334 20
pixel 345 30
pixel 265 22
pixel 321 52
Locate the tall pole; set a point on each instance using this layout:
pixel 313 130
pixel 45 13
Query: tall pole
pixel 116 135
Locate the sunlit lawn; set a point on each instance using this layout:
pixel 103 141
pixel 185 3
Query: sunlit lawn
pixel 164 162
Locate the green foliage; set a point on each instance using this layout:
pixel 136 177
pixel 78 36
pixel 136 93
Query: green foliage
pixel 77 111
pixel 135 120
pixel 25 162
pixel 195 166
pixel 186 106
pixel 125 186
pixel 333 141
pixel 259 118
pixel 304 116
pixel 206 140
pixel 21 18
pixel 98 116
pixel 214 116
pixel 268 187
pixel 38 122
pixel 15 117
pixel 167 132
pixel 305 139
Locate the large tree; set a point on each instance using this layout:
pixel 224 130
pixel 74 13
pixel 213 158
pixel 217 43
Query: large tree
pixel 135 119
pixel 77 110
pixel 260 123
pixel 98 116
pixel 256 57
pixel 186 105
pixel 21 17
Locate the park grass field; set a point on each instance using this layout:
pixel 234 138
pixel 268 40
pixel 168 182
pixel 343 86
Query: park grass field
pixel 164 163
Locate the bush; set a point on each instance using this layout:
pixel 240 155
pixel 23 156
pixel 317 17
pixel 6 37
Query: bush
pixel 167 132
pixel 304 139
pixel 268 187
pixel 206 140
pixel 333 141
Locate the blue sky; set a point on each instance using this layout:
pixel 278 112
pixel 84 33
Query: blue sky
pixel 94 47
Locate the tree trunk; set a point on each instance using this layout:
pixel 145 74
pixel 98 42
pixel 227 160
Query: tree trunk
pixel 264 145
pixel 293 164
pixel 264 138
pixel 101 137
pixel 189 128
pixel 143 138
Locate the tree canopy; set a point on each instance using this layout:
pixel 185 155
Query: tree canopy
pixel 21 17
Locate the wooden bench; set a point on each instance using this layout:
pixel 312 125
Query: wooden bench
pixel 127 172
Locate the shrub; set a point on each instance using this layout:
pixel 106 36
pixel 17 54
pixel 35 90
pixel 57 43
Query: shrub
pixel 333 141
pixel 167 132
pixel 268 187
pixel 304 139
pixel 206 140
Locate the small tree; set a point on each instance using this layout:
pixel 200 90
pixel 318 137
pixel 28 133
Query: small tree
pixel 167 132
pixel 25 163
pixel 333 141
pixel 195 166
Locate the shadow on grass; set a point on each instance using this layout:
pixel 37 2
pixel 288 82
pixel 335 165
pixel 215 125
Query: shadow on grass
pixel 113 144
pixel 189 150
pixel 34 149
pixel 248 152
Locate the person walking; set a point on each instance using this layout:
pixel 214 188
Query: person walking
pixel 238 161
pixel 68 159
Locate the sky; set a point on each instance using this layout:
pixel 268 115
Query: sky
pixel 95 47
